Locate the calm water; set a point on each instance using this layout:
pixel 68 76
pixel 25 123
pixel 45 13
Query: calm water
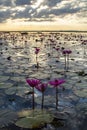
pixel 18 61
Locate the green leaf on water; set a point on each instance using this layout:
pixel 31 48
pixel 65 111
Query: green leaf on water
pixel 34 118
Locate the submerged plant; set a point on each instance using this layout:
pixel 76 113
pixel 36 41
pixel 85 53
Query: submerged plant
pixel 56 83
pixel 33 83
pixel 42 87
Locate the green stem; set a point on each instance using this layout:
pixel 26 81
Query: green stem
pixel 37 64
pixel 42 100
pixel 67 61
pixel 56 98
pixel 33 106
pixel 36 58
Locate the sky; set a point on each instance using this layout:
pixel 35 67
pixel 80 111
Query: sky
pixel 18 15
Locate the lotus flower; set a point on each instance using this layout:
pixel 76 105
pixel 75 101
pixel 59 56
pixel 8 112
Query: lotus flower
pixel 33 83
pixel 37 50
pixel 55 83
pixel 57 49
pixel 42 87
pixel 64 52
pixel 69 51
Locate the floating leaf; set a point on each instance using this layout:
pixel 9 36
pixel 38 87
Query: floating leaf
pixel 81 93
pixel 19 90
pixel 81 73
pixel 34 118
pixel 7 85
pixel 4 78
pixel 18 79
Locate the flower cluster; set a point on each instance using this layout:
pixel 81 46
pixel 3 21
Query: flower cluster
pixel 35 83
pixel 65 52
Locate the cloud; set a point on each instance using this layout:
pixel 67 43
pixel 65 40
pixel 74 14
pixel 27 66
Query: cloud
pixel 51 3
pixel 6 2
pixel 4 15
pixel 28 12
pixel 42 10
pixel 22 2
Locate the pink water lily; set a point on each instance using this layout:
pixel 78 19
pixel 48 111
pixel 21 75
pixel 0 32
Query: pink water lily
pixel 56 83
pixel 42 87
pixel 57 49
pixel 66 51
pixel 33 83
pixel 37 50
pixel 69 51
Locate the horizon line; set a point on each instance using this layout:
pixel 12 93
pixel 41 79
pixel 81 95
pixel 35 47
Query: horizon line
pixel 43 31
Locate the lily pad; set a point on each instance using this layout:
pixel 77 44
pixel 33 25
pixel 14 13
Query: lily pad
pixel 81 93
pixel 7 117
pixel 4 78
pixel 18 90
pixel 40 75
pixel 7 85
pixel 34 118
pixel 17 79
pixel 80 85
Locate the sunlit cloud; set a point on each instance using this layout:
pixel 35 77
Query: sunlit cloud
pixel 37 4
pixel 26 12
